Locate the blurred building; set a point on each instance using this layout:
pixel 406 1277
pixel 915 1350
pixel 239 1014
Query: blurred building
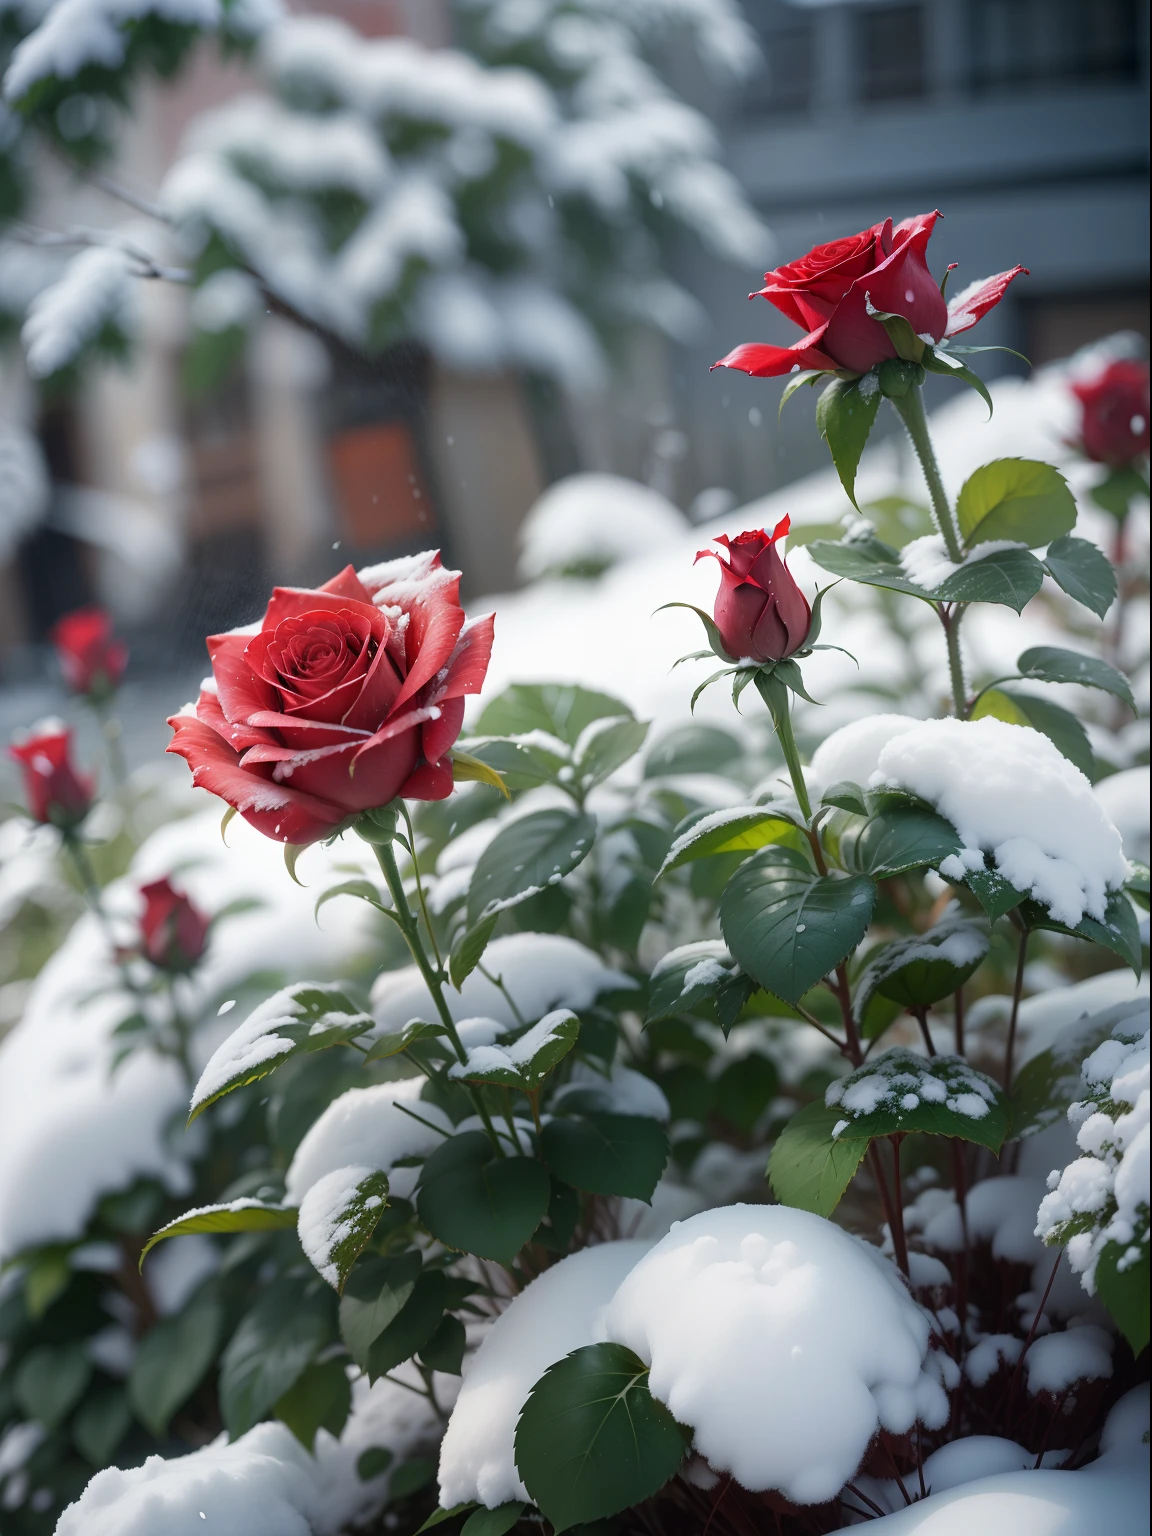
pixel 1024 121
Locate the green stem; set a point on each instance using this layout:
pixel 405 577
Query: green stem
pixel 420 885
pixel 775 695
pixel 951 623
pixel 1017 993
pixel 433 977
pixel 911 412
pixel 111 730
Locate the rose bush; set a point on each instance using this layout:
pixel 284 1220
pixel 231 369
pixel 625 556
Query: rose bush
pixel 832 291
pixel 339 700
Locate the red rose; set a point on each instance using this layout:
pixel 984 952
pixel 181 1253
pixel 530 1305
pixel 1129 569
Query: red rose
pixel 829 292
pixel 760 612
pixel 91 658
pixel 1114 413
pixel 173 932
pixel 57 792
pixel 339 700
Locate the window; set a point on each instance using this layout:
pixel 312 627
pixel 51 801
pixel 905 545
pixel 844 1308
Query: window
pixel 890 50
pixel 1050 42
pixel 786 84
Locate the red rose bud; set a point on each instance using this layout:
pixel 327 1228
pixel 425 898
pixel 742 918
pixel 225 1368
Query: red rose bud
pixel 761 613
pixel 91 658
pixel 829 293
pixel 341 699
pixel 57 793
pixel 1114 413
pixel 173 932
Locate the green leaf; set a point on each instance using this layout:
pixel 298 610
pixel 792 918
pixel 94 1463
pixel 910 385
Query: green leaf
pixel 868 560
pixel 788 926
pixel 492 1522
pixel 714 641
pixel 692 749
pixel 1084 572
pixel 244 1215
pixel 845 415
pixel 375 1461
pixel 797 381
pixel 364 890
pixel 1125 1292
pixel 924 969
pixel 320 1398
pixel 468 949
pixel 807 1169
pixel 606 745
pixel 416 1473
pixel 438 1516
pixel 1049 1082
pixel 895 841
pixel 100 1425
pixel 521 764
pixel 1019 499
pixel 1119 932
pixel 392 1044
pixel 1010 576
pixel 845 796
pixel 489 1207
pixel 45 1279
pixel 935 1095
pixel 414 1326
pixel 1119 490
pixel 937 360
pixel 276 1341
pixel 1050 664
pixel 670 992
pixel 592 1440
pixel 560 709
pixel 171 1361
pixel 741 830
pixel 468 769
pixel 297 1020
pixel 375 1294
pixel 527 856
pixel 51 1380
pixel 444 1351
pixel 527 1061
pixel 995 894
pixel 909 346
pixel 346 1230
pixel 606 1154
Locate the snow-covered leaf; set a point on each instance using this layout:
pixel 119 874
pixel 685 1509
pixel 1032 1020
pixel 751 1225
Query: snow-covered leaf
pixel 558 709
pixel 900 1092
pixel 919 971
pixel 605 745
pixel 897 840
pixel 305 1017
pixel 592 1441
pixel 737 829
pixel 1049 1082
pixel 1051 664
pixel 685 977
pixel 243 1215
pixel 338 1216
pixel 526 857
pixel 526 1062
pixel 1019 499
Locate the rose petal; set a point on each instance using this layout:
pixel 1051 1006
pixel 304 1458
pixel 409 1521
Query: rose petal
pixel 240 691
pixel 273 809
pixel 974 302
pixel 764 361
pixel 439 734
pixel 435 627
pixel 431 781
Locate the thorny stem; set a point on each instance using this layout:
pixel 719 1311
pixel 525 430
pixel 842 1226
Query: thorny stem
pixel 1017 990
pixel 950 620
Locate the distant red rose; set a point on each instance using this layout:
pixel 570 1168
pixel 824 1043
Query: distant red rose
pixel 1114 412
pixel 91 658
pixel 173 932
pixel 828 293
pixel 760 611
pixel 340 699
pixel 58 793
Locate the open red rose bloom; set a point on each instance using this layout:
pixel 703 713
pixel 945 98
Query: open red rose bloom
pixel 829 293
pixel 341 699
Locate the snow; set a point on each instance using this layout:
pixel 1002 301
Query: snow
pixel 1008 791
pixel 986 1356
pixel 486 1058
pixel 999 1212
pixel 23 484
pixel 95 292
pixel 1125 798
pixel 852 753
pixel 925 560
pixel 1110 1182
pixel 902 1080
pixel 594 520
pixel 622 1092
pixel 264 1483
pixel 560 1311
pixel 964 1461
pixel 70 1130
pixel 783 1343
pixel 255 1043
pixel 174 1270
pixel 366 1128
pixel 1057 1361
pixel 541 971
pixel 325 1216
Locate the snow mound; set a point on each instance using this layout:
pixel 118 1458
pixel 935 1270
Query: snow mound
pixel 542 971
pixel 1009 792
pixel 852 753
pixel 621 1092
pixel 265 1483
pixel 782 1341
pixel 556 1314
pixel 1124 797
pixel 999 1212
pixel 366 1128
pixel 1059 1360
pixel 585 523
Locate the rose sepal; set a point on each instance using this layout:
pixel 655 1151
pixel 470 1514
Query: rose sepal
pixel 466 768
